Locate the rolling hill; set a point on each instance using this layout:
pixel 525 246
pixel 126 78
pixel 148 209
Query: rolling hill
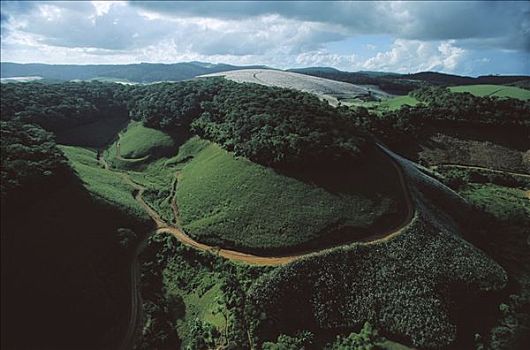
pixel 133 73
pixel 494 90
pixel 330 90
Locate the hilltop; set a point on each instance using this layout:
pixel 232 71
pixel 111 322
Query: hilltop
pixel 265 214
pixel 127 73
pixel 330 90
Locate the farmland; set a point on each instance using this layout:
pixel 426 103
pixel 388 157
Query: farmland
pixel 232 202
pixel 329 90
pixel 239 176
pixel 494 90
pixel 138 141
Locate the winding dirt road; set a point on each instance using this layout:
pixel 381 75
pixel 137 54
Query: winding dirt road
pixel 164 227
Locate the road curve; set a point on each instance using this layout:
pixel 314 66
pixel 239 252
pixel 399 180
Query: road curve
pixel 163 227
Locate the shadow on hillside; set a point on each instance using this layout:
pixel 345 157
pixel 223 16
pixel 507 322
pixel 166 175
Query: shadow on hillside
pixel 373 175
pixel 64 274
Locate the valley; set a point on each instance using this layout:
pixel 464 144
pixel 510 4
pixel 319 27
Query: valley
pixel 265 213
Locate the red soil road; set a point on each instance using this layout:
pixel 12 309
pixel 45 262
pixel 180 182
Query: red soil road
pixel 234 255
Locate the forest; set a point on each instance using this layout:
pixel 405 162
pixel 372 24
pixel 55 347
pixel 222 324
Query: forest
pixel 276 128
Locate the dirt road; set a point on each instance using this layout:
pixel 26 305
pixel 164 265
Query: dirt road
pixel 234 255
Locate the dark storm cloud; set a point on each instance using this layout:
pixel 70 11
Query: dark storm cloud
pixel 507 23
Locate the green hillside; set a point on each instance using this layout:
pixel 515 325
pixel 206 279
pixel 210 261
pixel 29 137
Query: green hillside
pixel 232 202
pixel 102 183
pixel 139 141
pixel 494 90
pixel 398 102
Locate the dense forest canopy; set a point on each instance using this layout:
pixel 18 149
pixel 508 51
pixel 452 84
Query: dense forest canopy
pixel 272 126
pixel 278 126
pixel 269 125
pixel 141 73
pixel 57 107
pixel 30 161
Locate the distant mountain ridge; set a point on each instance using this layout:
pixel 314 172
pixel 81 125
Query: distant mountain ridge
pixel 139 73
pixel 393 83
pixel 401 84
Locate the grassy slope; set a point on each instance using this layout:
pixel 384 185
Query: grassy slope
pixel 101 182
pixel 230 201
pixel 138 141
pixel 503 202
pixel 398 102
pixel 494 90
pixel 385 105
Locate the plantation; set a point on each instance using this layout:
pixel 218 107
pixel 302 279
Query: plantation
pixel 327 89
pixel 401 291
pixel 232 202
pixel 502 202
pixel 501 91
pixel 398 102
pixel 102 183
pixel 139 141
pixel 274 173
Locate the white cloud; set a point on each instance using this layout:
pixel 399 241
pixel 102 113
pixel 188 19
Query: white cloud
pixel 414 55
pixel 425 36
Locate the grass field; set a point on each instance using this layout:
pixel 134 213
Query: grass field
pixel 138 141
pixel 385 104
pixel 503 202
pixel 102 183
pixel 229 201
pixel 398 102
pixel 494 90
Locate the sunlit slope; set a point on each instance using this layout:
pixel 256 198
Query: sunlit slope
pixel 494 90
pixel 331 90
pixel 232 202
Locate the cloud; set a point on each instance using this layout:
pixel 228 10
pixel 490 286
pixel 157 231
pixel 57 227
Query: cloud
pixel 414 55
pixel 506 22
pixel 391 36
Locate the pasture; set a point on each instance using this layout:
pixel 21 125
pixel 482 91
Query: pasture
pixel 494 90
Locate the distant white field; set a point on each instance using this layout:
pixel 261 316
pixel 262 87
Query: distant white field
pixel 19 79
pixel 330 90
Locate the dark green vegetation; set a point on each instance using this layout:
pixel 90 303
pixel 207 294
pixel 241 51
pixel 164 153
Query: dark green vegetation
pixel 64 271
pixel 402 84
pixel 378 283
pixel 137 141
pixel 232 202
pixel 139 73
pixel 468 117
pixel 273 168
pixel 279 127
pixel 494 90
pixel 500 226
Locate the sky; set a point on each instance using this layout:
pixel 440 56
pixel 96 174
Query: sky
pixel 459 37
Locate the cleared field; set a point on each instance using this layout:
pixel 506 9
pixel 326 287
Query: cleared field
pixel 234 203
pixel 398 102
pixel 494 90
pixel 138 141
pixel 503 202
pixel 330 90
